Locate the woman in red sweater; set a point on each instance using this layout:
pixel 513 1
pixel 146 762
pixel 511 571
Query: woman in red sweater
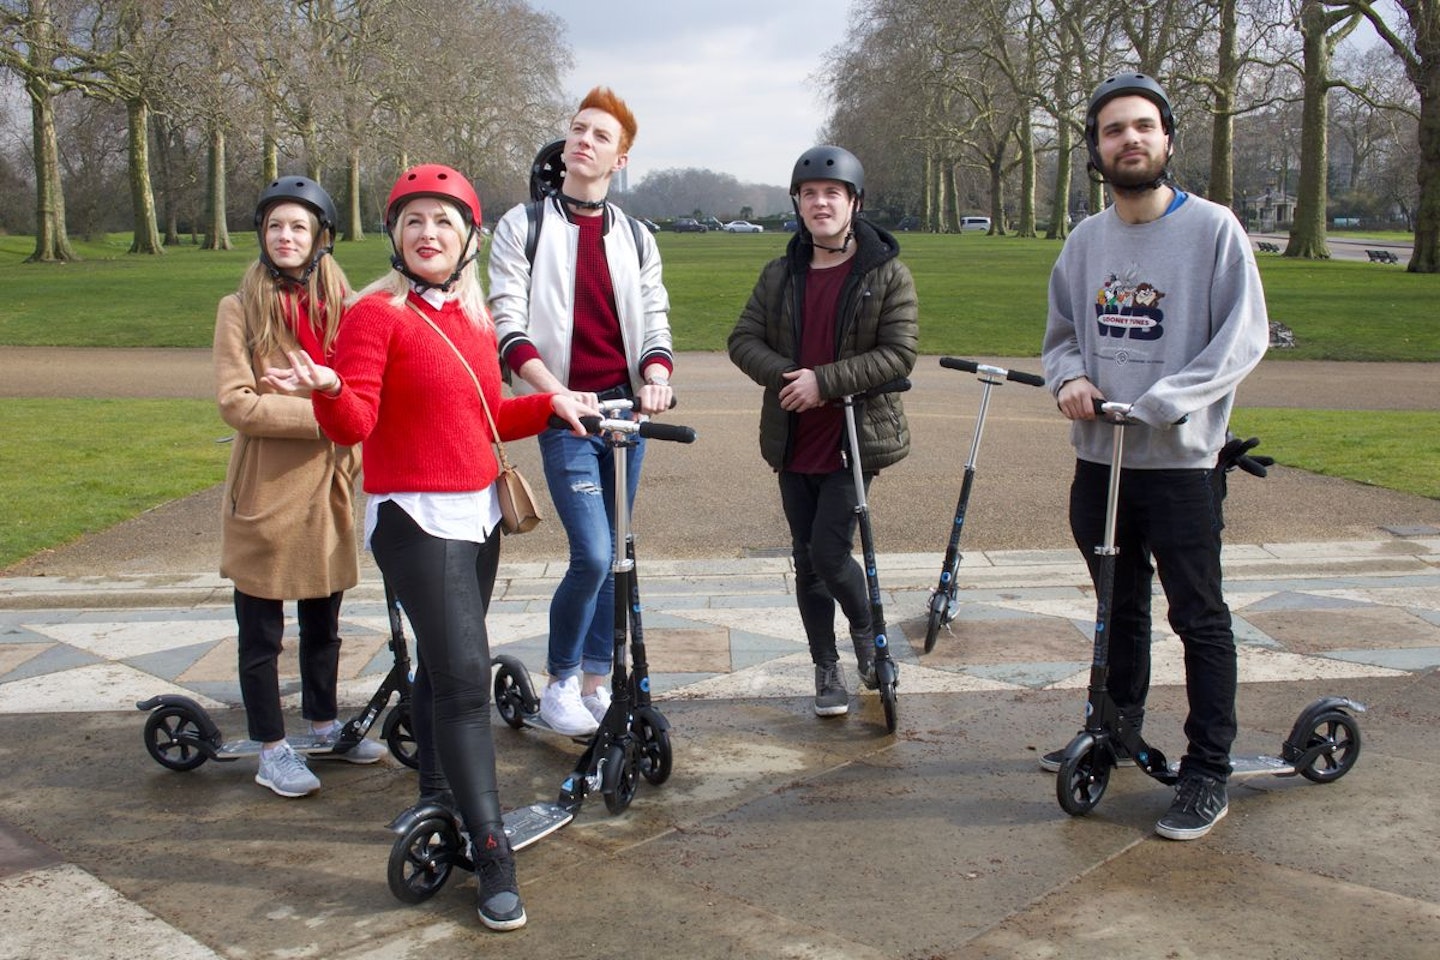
pixel 421 339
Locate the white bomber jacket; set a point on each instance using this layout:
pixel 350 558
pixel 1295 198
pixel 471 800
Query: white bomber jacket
pixel 536 303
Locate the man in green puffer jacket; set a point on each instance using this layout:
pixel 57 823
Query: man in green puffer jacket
pixel 835 316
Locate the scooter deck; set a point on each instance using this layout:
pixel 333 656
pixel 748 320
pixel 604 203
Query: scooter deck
pixel 235 749
pixel 526 825
pixel 533 720
pixel 1255 766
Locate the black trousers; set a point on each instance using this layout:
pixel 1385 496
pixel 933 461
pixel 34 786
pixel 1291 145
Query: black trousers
pixel 1172 517
pixel 820 509
pixel 444 587
pixel 261 624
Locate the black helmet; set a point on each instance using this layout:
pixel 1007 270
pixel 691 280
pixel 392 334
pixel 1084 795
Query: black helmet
pixel 547 172
pixel 827 162
pixel 1123 85
pixel 307 192
pixel 300 190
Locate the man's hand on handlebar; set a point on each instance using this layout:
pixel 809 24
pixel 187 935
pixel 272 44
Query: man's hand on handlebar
pixel 1077 397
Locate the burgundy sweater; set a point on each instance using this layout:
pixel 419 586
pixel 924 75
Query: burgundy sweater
pixel 405 395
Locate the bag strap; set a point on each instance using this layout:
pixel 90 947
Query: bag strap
pixel 494 433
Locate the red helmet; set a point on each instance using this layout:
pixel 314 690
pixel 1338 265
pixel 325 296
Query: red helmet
pixel 433 180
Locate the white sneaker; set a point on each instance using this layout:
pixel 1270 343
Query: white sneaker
pixel 597 703
pixel 562 710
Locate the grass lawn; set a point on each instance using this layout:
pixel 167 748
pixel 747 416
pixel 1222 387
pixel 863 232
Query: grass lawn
pixel 63 479
pixel 979 296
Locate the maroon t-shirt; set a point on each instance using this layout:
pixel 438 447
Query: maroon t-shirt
pixel 597 351
pixel 818 434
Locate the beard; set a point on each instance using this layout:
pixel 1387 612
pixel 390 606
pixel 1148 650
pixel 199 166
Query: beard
pixel 1135 178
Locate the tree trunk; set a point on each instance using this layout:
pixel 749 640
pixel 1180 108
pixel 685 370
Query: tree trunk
pixel 1060 195
pixel 146 237
pixel 269 158
pixel 1026 225
pixel 1222 133
pixel 997 192
pixel 217 235
pixel 931 223
pixel 356 228
pixel 1307 233
pixel 1426 20
pixel 52 242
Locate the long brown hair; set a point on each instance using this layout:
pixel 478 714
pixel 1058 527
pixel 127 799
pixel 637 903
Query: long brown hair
pixel 325 288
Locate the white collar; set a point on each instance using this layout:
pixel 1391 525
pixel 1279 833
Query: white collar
pixel 431 295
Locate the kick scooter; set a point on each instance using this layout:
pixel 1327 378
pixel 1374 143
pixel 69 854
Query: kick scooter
pixel 1322 746
pixel 180 735
pixel 633 739
pixel 887 670
pixel 944 602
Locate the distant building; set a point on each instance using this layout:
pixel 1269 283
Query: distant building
pixel 1268 212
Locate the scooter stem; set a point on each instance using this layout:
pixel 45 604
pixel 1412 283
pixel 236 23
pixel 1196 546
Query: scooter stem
pixel 1112 497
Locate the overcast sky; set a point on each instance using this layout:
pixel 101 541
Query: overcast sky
pixel 724 85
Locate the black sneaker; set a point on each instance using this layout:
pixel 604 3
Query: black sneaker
pixel 498 894
pixel 1051 761
pixel 1200 803
pixel 831 697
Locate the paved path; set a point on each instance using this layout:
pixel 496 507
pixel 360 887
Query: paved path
pixel 778 835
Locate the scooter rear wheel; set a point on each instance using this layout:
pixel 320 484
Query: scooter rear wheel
pixel 1082 779
pixel 399 735
pixel 1339 736
pixel 170 735
pixel 421 859
pixel 509 693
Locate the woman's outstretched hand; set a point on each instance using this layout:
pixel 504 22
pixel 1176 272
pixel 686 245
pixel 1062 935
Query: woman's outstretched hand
pixel 303 377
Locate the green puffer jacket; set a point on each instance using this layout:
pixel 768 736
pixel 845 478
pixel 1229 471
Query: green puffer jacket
pixel 877 332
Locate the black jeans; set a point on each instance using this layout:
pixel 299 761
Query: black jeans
pixel 1174 517
pixel 261 625
pixel 820 508
pixel 444 588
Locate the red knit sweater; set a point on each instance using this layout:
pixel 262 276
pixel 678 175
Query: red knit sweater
pixel 405 395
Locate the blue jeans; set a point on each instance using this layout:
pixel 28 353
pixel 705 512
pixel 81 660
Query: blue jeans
pixel 580 472
pixel 1174 517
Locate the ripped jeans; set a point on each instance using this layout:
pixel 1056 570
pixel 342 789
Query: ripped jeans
pixel 580 472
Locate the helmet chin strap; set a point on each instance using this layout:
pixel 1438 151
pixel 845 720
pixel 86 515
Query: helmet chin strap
pixel 849 235
pixel 280 276
pixel 398 262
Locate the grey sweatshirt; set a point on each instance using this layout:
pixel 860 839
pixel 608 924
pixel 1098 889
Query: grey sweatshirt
pixel 1167 315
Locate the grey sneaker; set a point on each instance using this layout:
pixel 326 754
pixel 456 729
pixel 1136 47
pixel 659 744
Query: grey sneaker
pixel 285 771
pixel 864 645
pixel 831 697
pixel 366 751
pixel 1200 803
pixel 497 894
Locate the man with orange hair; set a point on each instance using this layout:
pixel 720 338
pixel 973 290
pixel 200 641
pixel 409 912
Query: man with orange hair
pixel 580 307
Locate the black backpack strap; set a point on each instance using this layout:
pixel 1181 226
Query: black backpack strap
pixel 638 232
pixel 532 233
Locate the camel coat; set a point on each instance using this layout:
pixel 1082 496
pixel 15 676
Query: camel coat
pixel 288 513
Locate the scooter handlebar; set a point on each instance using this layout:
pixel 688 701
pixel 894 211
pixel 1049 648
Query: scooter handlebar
pixel 648 429
pixel 970 366
pixel 898 385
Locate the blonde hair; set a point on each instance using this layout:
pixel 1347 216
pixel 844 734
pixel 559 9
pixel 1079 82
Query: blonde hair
pixel 468 288
pixel 326 288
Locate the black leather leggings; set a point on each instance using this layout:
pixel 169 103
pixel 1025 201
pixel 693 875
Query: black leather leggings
pixel 444 588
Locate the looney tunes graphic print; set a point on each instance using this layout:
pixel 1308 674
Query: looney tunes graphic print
pixel 1129 310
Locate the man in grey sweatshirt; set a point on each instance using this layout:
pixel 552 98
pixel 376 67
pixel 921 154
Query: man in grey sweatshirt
pixel 1157 302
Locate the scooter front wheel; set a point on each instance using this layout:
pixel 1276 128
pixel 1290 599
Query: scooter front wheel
pixel 655 757
pixel 511 691
pixel 887 674
pixel 1337 737
pixel 1084 774
pixel 171 735
pixel 421 859
pixel 620 776
pixel 939 607
pixel 399 735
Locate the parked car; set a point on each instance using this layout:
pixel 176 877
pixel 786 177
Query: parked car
pixel 710 223
pixel 908 223
pixel 974 224
pixel 743 226
pixel 648 224
pixel 790 225
pixel 688 225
